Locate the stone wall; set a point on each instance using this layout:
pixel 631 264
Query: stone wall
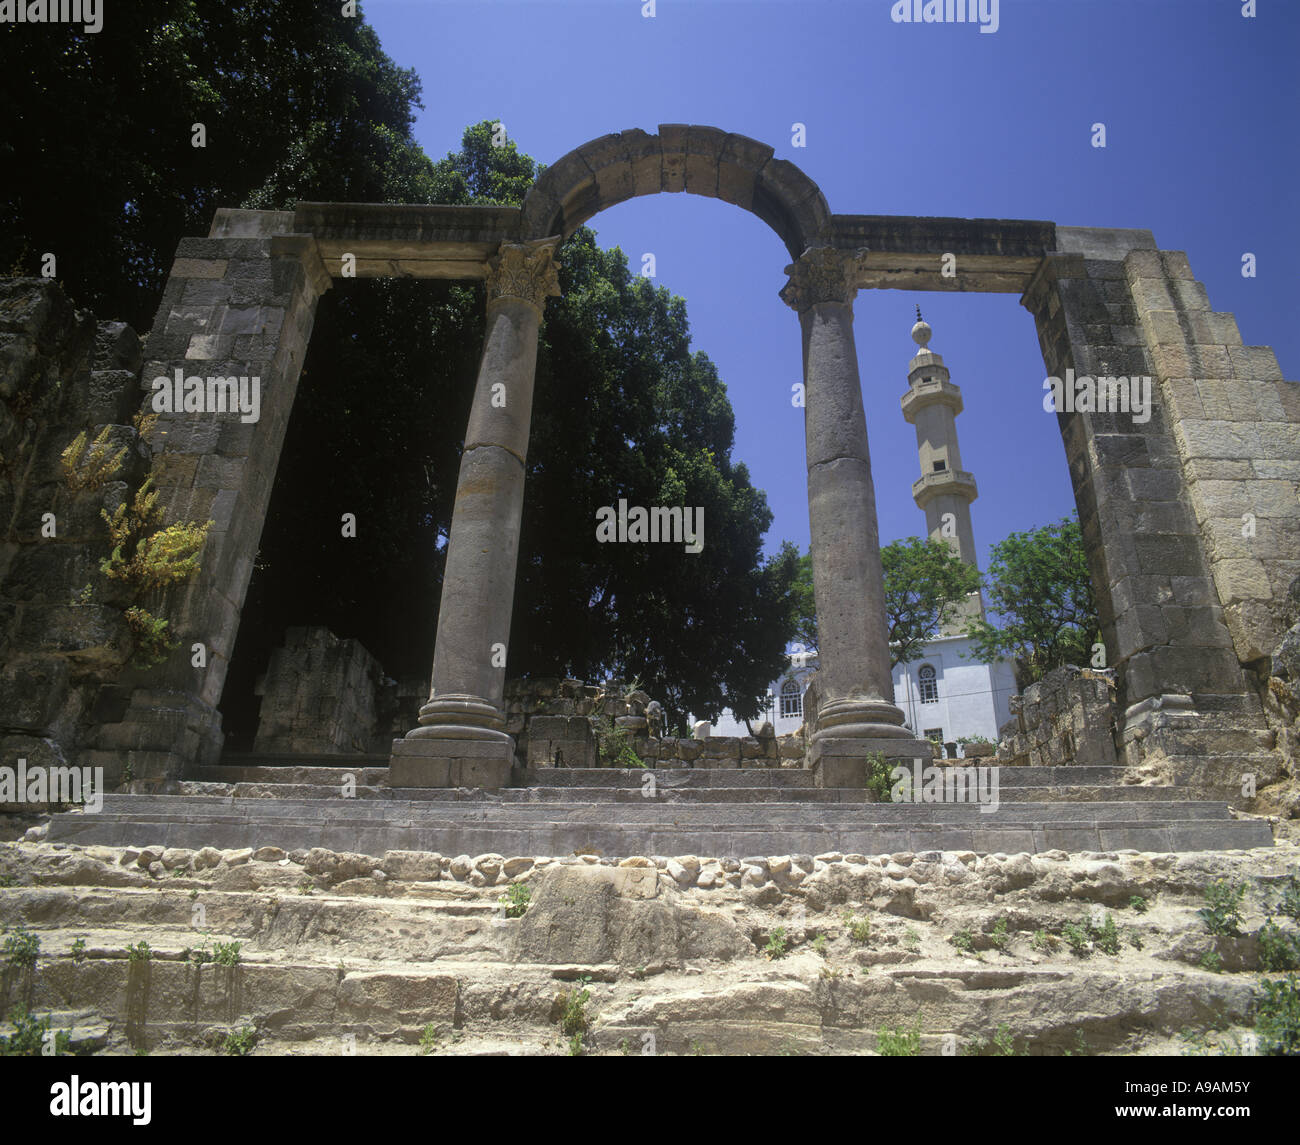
pixel 552 722
pixel 1067 717
pixel 321 694
pixel 61 650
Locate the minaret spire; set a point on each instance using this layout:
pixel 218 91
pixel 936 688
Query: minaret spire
pixel 945 490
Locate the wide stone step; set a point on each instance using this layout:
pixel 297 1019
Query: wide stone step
pixel 368 774
pixel 374 826
pixel 812 795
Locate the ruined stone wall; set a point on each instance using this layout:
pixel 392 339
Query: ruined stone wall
pixel 1067 717
pixel 321 694
pixel 552 722
pixel 62 649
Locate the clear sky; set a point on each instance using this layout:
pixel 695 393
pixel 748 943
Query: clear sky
pixel 1202 117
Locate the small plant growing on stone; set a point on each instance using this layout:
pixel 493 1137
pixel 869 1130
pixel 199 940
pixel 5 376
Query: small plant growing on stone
pixel 999 939
pixel 1044 941
pixel 963 940
pixel 1222 911
pixel 8 880
pixel 776 944
pixel 239 1043
pixel 573 1017
pixel 1134 938
pixel 428 1039
pixel 613 748
pixel 878 781
pixel 1138 904
pixel 1106 936
pixel 516 900
pixel 912 938
pixel 306 887
pixel 91 466
pixel 1289 904
pixel 1077 939
pixel 1211 961
pixel 899 1041
pixel 21 948
pixel 226 953
pixel 198 955
pixel 1004 1043
pixel 79 950
pixel 1080 1046
pixel 140 952
pixel 1277 1017
pixel 31 1037
pixel 1278 950
pixel 859 928
pixel 819 945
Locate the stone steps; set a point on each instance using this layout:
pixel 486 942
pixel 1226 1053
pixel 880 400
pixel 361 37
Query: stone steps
pixel 656 826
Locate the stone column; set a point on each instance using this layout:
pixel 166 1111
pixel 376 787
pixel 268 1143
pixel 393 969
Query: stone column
pixel 461 740
pixel 856 713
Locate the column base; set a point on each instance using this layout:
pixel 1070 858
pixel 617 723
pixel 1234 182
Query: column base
pixel 445 762
pixel 860 719
pixel 844 763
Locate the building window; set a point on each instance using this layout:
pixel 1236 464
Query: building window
pixel 940 466
pixel 791 700
pixel 929 685
pixel 935 734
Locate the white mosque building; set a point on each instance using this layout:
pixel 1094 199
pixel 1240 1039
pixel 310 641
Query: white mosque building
pixel 946 694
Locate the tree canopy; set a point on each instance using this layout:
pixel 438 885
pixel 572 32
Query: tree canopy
pixel 297 103
pixel 925 584
pixel 1039 587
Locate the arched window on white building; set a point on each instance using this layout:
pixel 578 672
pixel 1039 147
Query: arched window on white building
pixel 791 699
pixel 929 684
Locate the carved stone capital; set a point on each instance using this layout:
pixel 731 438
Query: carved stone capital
pixel 821 274
pixel 524 270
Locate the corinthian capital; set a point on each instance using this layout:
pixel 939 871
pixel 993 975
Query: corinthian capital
pixel 524 270
pixel 821 274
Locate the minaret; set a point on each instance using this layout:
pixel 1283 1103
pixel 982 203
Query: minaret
pixel 945 491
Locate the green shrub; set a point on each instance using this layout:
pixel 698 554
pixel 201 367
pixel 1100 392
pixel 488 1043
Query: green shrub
pixel 613 746
pixel 29 1036
pixel 79 950
pixel 140 952
pixel 1211 961
pixel 819 945
pixel 1277 1017
pixel 1105 936
pixel 964 941
pixel 226 953
pixel 999 939
pixel 428 1039
pixel 516 899
pixel 899 1041
pixel 777 945
pixel 859 928
pixel 20 948
pixel 239 1043
pixel 1077 939
pixel 1138 904
pixel 573 1017
pixel 1278 949
pixel 878 781
pixel 1289 904
pixel 1222 911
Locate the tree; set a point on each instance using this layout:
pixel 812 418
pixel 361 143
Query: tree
pixel 925 585
pixel 1040 589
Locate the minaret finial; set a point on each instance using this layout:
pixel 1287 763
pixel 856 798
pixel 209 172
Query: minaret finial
pixel 921 331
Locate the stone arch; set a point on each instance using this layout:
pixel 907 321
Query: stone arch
pixel 700 160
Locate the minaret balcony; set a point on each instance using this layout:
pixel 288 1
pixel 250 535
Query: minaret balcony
pixel 925 394
pixel 947 483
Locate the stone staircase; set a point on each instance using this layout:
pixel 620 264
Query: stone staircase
pixel 266 801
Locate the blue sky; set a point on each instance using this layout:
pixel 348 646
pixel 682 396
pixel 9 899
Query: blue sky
pixel 1202 116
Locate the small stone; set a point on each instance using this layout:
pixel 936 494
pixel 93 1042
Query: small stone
pixel 678 873
pixel 149 856
pixel 779 864
pixel 856 860
pixel 461 867
pixel 129 856
pixel 902 858
pixel 830 857
pixel 177 858
pixel 590 860
pixel 489 866
pixel 690 862
pixel 754 876
pixel 516 866
pixel 299 855
pixel 636 861
pixel 378 876
pixel 731 866
pixel 269 855
pixel 240 857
